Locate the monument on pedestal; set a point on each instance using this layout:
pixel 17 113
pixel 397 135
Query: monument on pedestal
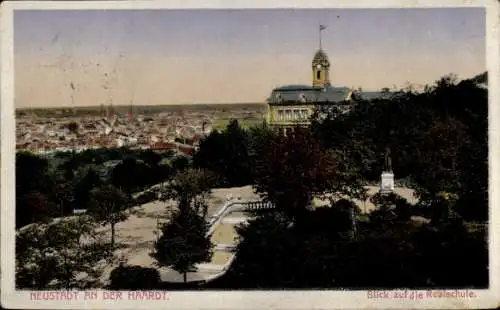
pixel 387 177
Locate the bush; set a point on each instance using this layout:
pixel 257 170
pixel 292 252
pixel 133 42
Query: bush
pixel 273 255
pixel 334 220
pixel 134 278
pixel 394 204
pixel 146 197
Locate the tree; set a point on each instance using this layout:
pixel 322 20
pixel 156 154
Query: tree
pixel 226 154
pixel 86 179
pixel 237 160
pixel 130 278
pixel 296 168
pixel 62 191
pixel 211 153
pixel 259 139
pixel 189 189
pixel 108 205
pixel 32 174
pixel 441 159
pixel 53 255
pixel 130 175
pixel 271 255
pixel 34 207
pixel 184 241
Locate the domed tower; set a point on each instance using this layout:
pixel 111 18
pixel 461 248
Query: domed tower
pixel 320 69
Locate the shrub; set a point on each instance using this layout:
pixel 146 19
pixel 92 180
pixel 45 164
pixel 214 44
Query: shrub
pixel 399 206
pixel 134 278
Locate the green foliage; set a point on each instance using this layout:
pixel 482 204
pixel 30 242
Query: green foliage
pixel 53 255
pixel 227 154
pixel 38 196
pixel 134 278
pixel 189 188
pixel 391 207
pixel 52 186
pixel 275 255
pixel 86 179
pixel 296 168
pixel 34 207
pixel 107 206
pixel 260 138
pixel 183 242
pixel 438 139
pixel 129 175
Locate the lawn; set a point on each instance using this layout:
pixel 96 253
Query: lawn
pixel 221 124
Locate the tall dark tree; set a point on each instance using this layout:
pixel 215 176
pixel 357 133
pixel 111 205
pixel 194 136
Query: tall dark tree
pixel 260 138
pixel 32 173
pixel 34 194
pixel 130 175
pixel 441 158
pixel 183 240
pixel 237 170
pixel 108 205
pixel 296 168
pixel 34 207
pixel 189 189
pixel 86 180
pixel 227 154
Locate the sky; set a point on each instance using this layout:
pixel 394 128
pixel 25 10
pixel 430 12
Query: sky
pixel 148 57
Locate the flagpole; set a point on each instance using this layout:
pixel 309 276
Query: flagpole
pixel 320 45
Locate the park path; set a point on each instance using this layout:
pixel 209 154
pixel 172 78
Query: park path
pixel 137 233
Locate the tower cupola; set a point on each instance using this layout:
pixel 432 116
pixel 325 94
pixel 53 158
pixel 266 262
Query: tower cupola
pixel 320 69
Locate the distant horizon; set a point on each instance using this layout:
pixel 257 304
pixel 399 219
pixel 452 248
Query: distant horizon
pixel 187 104
pixel 233 56
pixel 137 105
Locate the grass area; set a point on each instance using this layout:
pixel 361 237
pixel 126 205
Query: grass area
pixel 224 234
pixel 220 257
pixel 221 124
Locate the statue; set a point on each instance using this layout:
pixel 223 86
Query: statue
pixel 387 176
pixel 388 161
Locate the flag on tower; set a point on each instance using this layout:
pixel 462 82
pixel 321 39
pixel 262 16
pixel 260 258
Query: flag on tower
pixel 322 27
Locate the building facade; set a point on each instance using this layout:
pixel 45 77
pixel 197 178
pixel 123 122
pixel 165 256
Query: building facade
pixel 292 105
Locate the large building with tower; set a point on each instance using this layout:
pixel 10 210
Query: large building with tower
pixel 292 105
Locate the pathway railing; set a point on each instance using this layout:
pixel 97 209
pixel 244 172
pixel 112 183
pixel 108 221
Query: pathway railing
pixel 214 221
pixel 235 206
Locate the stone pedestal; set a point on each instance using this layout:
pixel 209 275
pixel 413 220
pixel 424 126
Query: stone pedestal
pixel 386 182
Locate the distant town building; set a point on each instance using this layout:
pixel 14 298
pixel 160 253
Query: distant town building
pixel 292 105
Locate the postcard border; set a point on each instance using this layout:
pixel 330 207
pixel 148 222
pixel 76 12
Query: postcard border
pixel 239 299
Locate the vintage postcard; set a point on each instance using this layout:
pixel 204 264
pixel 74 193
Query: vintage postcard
pixel 250 155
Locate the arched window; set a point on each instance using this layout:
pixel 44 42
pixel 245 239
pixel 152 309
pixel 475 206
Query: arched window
pixel 318 74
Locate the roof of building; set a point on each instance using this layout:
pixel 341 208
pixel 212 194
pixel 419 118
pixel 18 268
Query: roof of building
pixel 297 94
pixel 293 87
pixel 321 58
pixel 372 95
pixel 306 93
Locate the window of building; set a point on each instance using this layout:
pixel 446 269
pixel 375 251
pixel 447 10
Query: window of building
pixel 318 74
